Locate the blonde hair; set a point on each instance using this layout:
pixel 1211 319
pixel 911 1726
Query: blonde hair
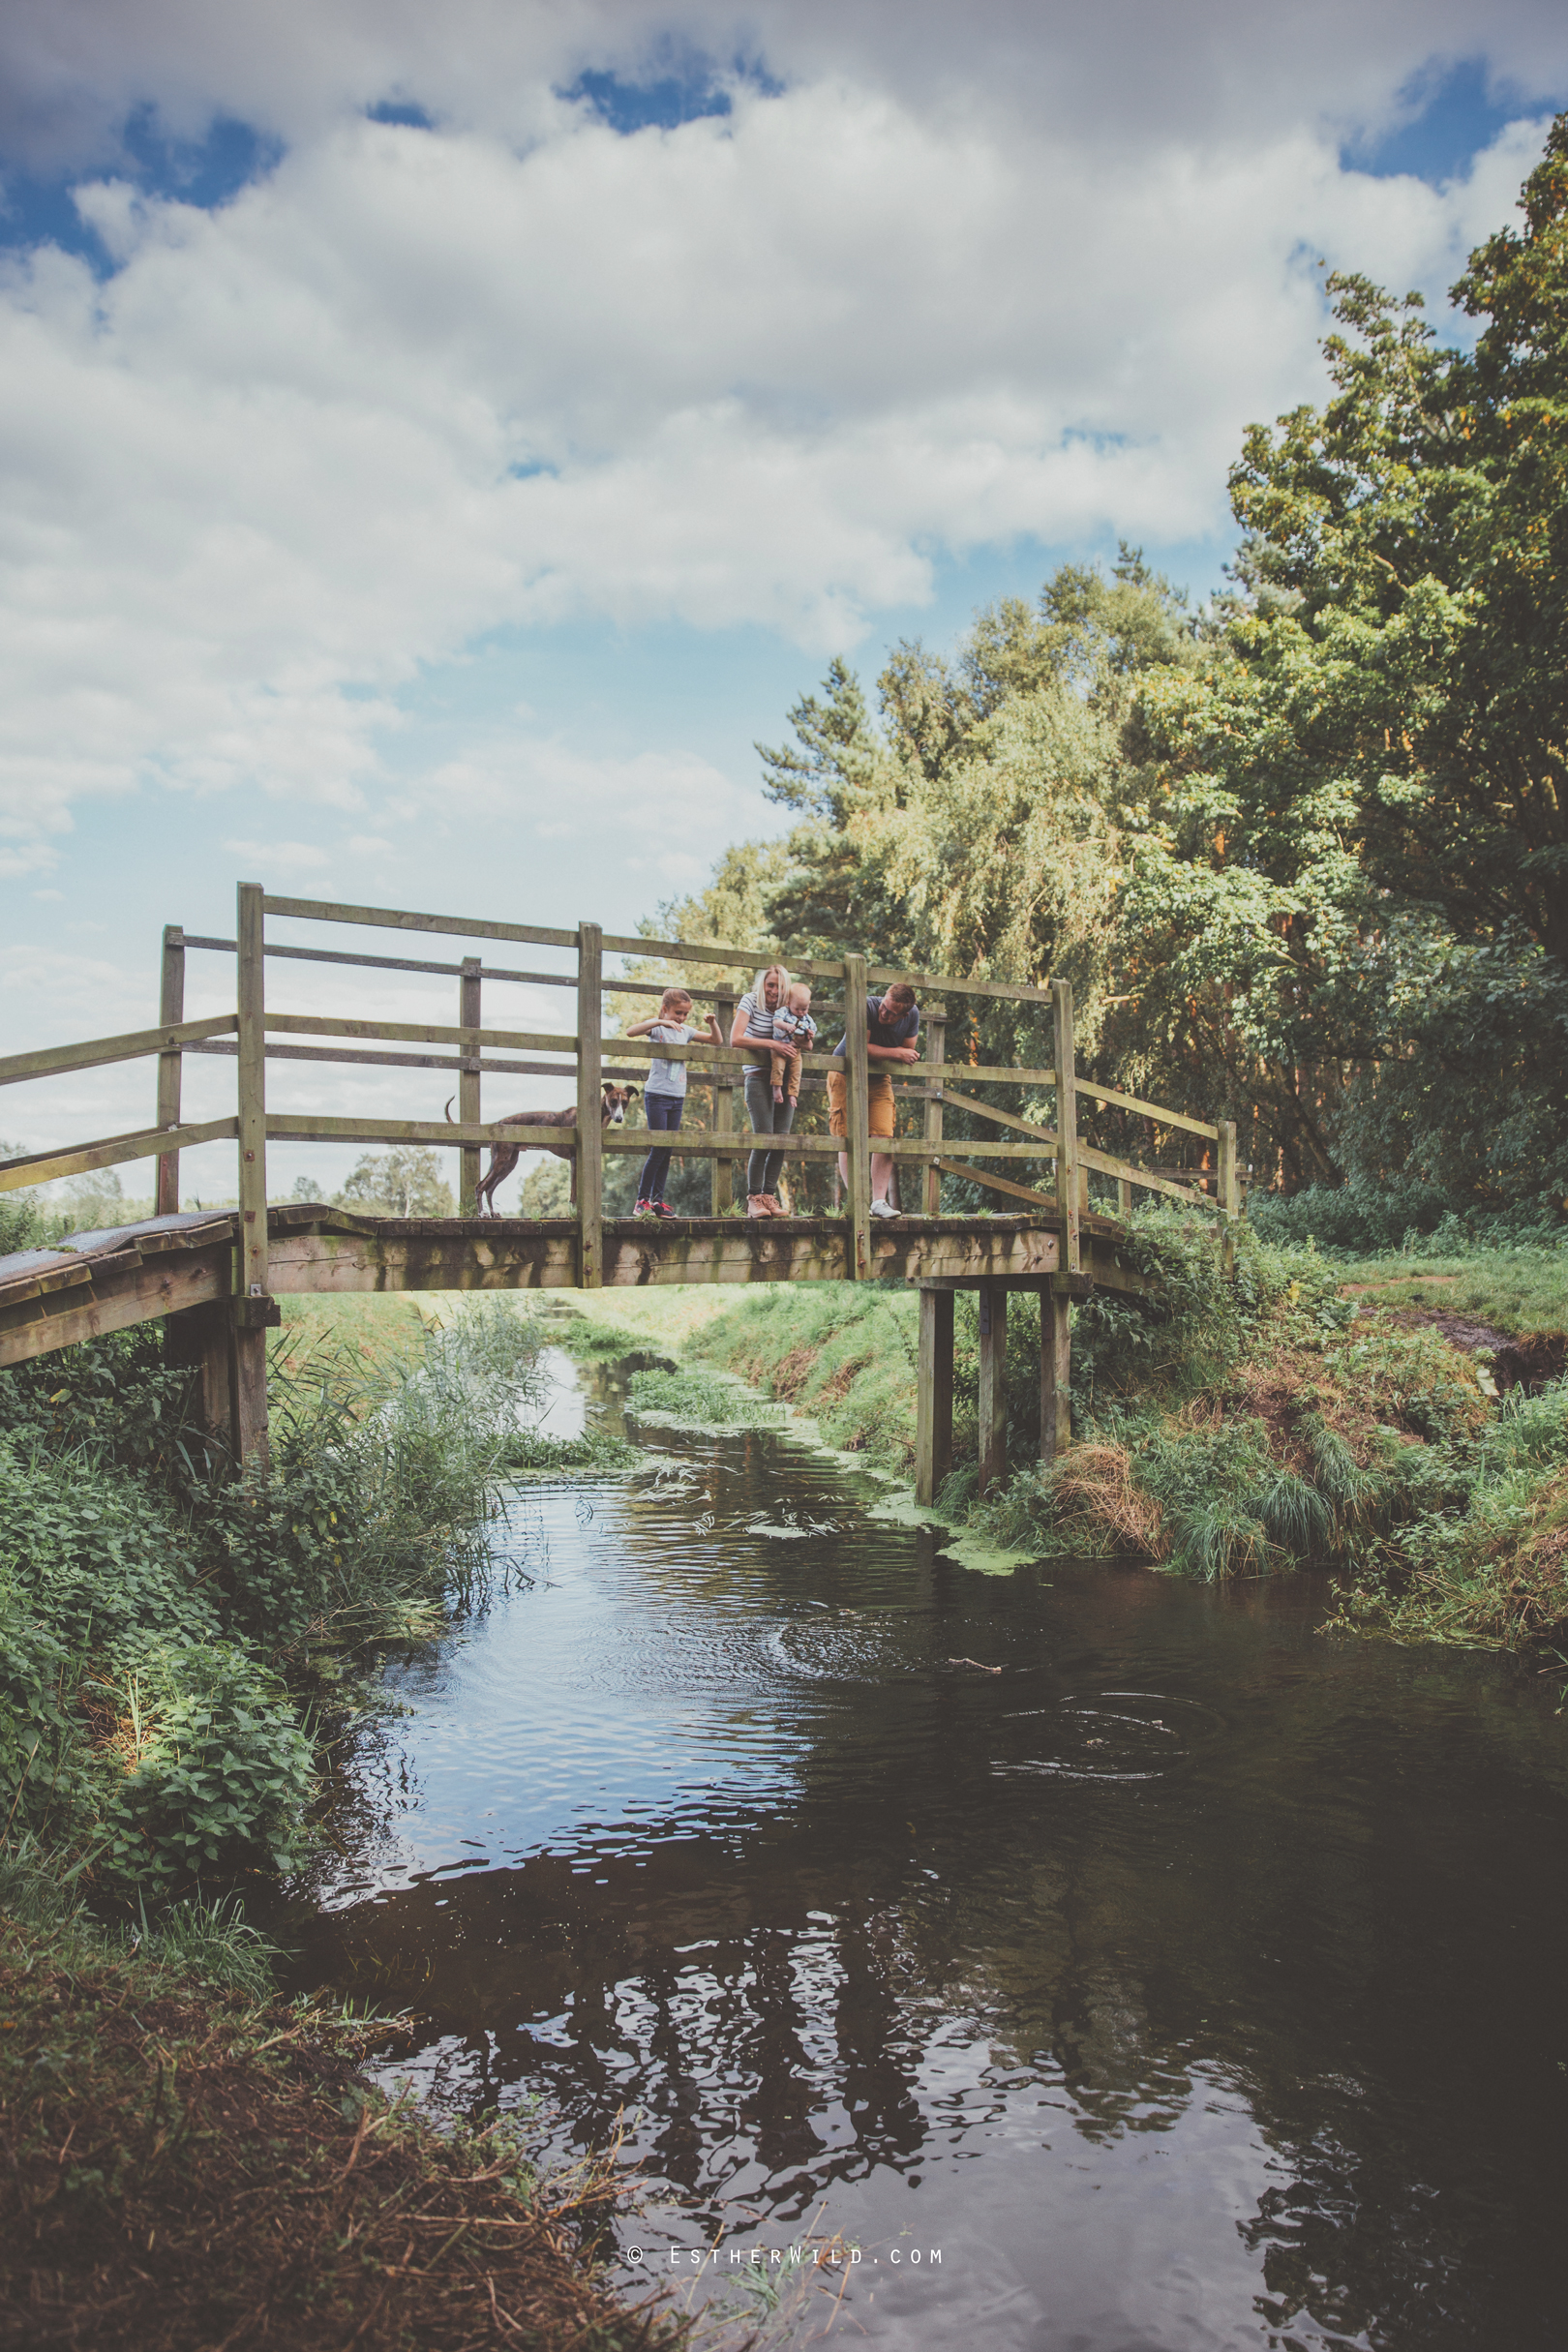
pixel 674 996
pixel 797 987
pixel 770 972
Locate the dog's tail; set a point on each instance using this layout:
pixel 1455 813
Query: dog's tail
pixel 450 1099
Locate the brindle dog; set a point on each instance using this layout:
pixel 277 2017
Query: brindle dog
pixel 616 1101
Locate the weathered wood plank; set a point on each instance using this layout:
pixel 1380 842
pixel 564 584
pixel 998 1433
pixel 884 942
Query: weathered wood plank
pixel 252 1095
pixel 1001 1118
pixel 423 1033
pixel 469 1068
pixel 856 1131
pixel 589 1161
pixel 163 1286
pixel 130 1046
pixel 937 1031
pixel 395 919
pixel 141 1144
pixel 317 1127
pixel 1156 1111
pixel 166 1109
pixel 1069 1205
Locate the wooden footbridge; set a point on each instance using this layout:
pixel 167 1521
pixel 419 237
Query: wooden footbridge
pixel 216 1276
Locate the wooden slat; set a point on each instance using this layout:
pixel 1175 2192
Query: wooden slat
pixel 141 1144
pixel 1123 1169
pixel 250 1087
pixel 1001 1118
pixel 1156 1111
pixel 882 975
pixel 396 919
pixel 744 959
pixel 1044 1202
pixel 423 1033
pixel 288 1127
pixel 588 1165
pixel 166 1106
pixel 132 1294
pixel 129 1046
pixel 1068 1197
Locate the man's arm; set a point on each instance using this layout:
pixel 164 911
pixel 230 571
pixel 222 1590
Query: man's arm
pixel 892 1053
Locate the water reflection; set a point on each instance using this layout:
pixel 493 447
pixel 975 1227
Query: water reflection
pixel 1184 1978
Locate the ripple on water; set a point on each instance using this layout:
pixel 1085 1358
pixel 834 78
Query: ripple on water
pixel 1117 1736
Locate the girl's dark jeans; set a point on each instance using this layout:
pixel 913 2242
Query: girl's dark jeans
pixel 662 1112
pixel 768 1118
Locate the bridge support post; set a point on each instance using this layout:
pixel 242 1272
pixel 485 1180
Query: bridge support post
pixel 993 1384
pixel 724 1114
pixel 590 1106
pixel 469 1111
pixel 1229 1193
pixel 936 1050
pixel 226 1343
pixel 1055 1373
pixel 251 1307
pixel 857 1121
pixel 171 1013
pixel 933 1410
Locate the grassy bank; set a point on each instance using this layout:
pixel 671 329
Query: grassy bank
pixel 189 2162
pixel 1313 1410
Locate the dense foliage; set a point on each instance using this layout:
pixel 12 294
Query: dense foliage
pixel 171 1638
pixel 1304 853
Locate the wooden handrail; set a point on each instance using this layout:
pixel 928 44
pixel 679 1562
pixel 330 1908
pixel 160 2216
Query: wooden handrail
pixel 138 1143
pixel 1148 1110
pixel 130 1046
pixel 395 919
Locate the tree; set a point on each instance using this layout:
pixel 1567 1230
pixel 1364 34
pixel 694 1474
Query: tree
pixel 405 1182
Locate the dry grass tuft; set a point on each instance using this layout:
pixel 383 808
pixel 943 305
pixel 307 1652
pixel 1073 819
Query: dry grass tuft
pixel 1094 1484
pixel 181 2170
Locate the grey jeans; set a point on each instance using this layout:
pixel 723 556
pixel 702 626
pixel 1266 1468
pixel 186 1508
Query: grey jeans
pixel 768 1118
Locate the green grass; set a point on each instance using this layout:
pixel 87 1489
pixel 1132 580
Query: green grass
pixel 1521 1291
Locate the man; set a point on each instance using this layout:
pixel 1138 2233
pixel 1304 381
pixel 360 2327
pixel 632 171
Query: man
pixel 892 1024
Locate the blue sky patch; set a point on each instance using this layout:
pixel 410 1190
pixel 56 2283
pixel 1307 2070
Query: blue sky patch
pixel 1455 112
pixel 205 172
pixel 402 111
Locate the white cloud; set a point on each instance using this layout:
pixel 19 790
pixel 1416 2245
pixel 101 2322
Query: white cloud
pixel 414 387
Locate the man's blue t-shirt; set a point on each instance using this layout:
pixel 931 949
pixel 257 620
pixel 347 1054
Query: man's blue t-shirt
pixel 899 1031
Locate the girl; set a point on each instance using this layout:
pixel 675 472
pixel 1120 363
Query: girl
pixel 664 1096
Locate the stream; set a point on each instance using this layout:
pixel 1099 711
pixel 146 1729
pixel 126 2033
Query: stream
pixel 1101 1962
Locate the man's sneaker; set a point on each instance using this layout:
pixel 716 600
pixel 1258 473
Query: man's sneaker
pixel 883 1207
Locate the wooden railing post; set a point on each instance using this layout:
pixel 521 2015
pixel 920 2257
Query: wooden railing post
pixel 936 1050
pixel 1067 1129
pixel 252 1306
pixel 724 1113
pixel 1229 1193
pixel 993 1384
pixel 1055 1373
pixel 171 1012
pixel 857 1127
pixel 933 1410
pixel 469 1111
pixel 590 1106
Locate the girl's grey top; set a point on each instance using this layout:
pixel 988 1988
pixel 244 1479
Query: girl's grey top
pixel 759 1020
pixel 668 1077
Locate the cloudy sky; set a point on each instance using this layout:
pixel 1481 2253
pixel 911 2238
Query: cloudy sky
pixel 437 441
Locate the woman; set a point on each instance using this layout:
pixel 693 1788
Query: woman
pixel 754 1026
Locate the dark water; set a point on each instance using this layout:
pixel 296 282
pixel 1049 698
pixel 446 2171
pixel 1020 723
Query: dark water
pixel 1189 1982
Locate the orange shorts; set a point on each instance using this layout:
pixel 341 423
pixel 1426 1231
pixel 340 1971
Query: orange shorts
pixel 880 1115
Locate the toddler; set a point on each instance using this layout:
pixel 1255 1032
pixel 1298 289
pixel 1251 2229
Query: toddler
pixel 793 1021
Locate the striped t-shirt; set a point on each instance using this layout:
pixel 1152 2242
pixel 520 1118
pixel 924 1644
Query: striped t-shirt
pixel 759 1020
